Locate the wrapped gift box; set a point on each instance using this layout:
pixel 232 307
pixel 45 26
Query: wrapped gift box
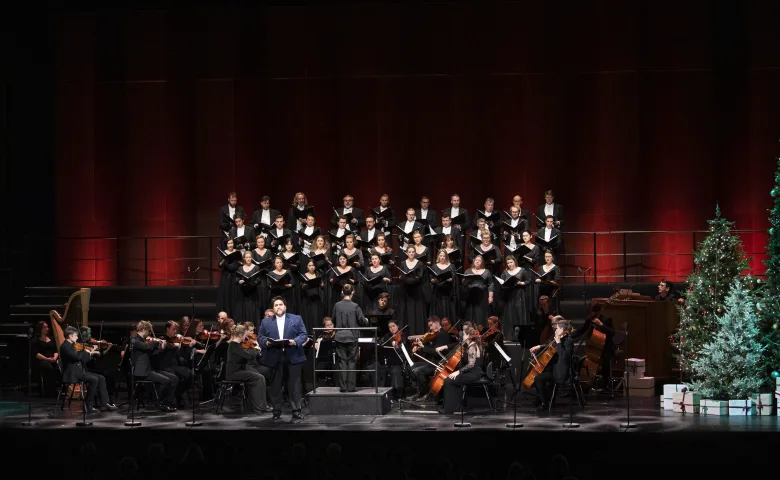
pixel 641 387
pixel 669 389
pixel 714 407
pixel 686 402
pixel 636 367
pixel 762 403
pixel 662 402
pixel 741 408
pixel 777 401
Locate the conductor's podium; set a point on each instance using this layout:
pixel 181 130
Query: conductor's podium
pixel 363 401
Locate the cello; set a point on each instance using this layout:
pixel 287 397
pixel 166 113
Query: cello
pixel 594 347
pixel 540 362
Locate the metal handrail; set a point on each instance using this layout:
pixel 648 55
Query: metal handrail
pixel 376 356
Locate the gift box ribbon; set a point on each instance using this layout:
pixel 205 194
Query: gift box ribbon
pixel 682 403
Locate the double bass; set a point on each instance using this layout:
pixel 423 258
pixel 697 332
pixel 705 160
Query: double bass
pixel 594 347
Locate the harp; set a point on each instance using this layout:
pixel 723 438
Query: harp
pixel 76 315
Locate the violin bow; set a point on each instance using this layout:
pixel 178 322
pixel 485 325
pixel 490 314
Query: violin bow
pixel 393 336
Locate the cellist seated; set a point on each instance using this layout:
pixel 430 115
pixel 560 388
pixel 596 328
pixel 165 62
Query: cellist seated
pixel 558 368
pixel 422 371
pixel 469 369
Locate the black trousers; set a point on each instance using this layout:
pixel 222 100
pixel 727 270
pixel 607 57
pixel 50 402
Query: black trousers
pixel 49 376
pixel 542 382
pixel 207 382
pixel 184 377
pixel 294 388
pixel 421 376
pixel 453 389
pixel 347 354
pixel 96 384
pixel 255 385
pixel 167 382
pixel 396 378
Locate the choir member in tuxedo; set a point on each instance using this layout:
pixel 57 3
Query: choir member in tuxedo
pixel 263 258
pixel 338 235
pixel 357 221
pixel 288 360
pixel 444 294
pixel 227 294
pixel 263 219
pixel 247 307
pixel 411 301
pixel 422 371
pixel 533 256
pixel 549 277
pixel 74 371
pixel 384 250
pixel 454 231
pixel 367 236
pixel 375 287
pixel 455 210
pixel 511 233
pixel 296 217
pixel 281 284
pixel 486 249
pixel 311 294
pixel 391 360
pixel 491 217
pixel 241 230
pixel 469 370
pixel 515 292
pixel 405 231
pixel 382 313
pixel 238 369
pixel 427 217
pixel 321 254
pixel 517 202
pixel 307 233
pixel 477 292
pixel 170 360
pixel 549 208
pixel 545 326
pixel 144 347
pixel 550 234
pixel 340 275
pixel 454 254
pixel 228 213
pixel 278 234
pixel 46 356
pixel 475 237
pixel 384 216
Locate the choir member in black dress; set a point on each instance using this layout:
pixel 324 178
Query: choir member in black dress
pixel 384 250
pixel 391 360
pixel 238 358
pixel 549 277
pixel 378 278
pixel 73 362
pixel 321 254
pixel 263 218
pixel 298 212
pixel 307 233
pixel 490 253
pixel 411 302
pixel 455 255
pixel 455 212
pixel 384 216
pixel 550 235
pixel 533 254
pixel 475 237
pixel 477 292
pixel 354 255
pixel 469 370
pixel 144 346
pixel 311 294
pixel 262 257
pixel 559 368
pixel 422 371
pixel 291 258
pixel 356 220
pixel 491 216
pixel 444 294
pixel 279 234
pixel 248 307
pixel 281 284
pixel 549 208
pixel 517 202
pixel 454 231
pixel 421 251
pixel 347 314
pixel 340 275
pixel 46 355
pixel 228 264
pixel 514 297
pixel 242 231
pixel 227 214
pixel 170 360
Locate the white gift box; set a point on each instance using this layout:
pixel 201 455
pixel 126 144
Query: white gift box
pixel 741 408
pixel 714 407
pixel 777 401
pixel 669 389
pixel 636 367
pixel 762 403
pixel 686 402
pixel 641 387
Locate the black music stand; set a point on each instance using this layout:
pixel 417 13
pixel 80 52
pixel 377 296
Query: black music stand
pixel 132 422
pixel 29 422
pixel 514 423
pixel 193 422
pixel 628 423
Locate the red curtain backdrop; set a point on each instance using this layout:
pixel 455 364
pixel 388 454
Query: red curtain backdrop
pixel 640 115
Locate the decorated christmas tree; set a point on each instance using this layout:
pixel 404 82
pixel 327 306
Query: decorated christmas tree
pixel 718 260
pixel 769 303
pixel 729 364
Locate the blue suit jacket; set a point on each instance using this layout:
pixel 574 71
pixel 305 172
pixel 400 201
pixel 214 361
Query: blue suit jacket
pixel 294 329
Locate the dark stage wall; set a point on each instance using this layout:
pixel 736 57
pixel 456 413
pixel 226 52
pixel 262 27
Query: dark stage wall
pixel 639 114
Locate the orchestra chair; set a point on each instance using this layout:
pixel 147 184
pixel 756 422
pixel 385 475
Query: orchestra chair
pixel 571 387
pixel 66 392
pixel 484 382
pixel 224 390
pixel 143 383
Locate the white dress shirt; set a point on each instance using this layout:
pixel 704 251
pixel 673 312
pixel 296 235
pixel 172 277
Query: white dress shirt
pixel 280 327
pixel 265 217
pixel 232 211
pixel 549 209
pixel 547 234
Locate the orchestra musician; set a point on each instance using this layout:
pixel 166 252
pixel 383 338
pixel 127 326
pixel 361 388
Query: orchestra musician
pixel 325 346
pixel 74 359
pixel 347 314
pixel 392 361
pixel 238 367
pixel 559 368
pixel 549 208
pixel 263 218
pixel 447 326
pixel 170 360
pixel 144 346
pixel 666 292
pixel 604 325
pixel 490 338
pixel 439 344
pixel 45 352
pixel 92 366
pixel 469 370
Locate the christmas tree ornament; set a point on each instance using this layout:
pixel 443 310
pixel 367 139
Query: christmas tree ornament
pixel 775 374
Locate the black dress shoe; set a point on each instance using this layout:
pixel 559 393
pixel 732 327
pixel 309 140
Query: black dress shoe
pixel 297 416
pixel 91 410
pixel 167 409
pixel 543 406
pixel 277 416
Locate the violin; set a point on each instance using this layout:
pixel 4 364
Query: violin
pixel 81 347
pixel 249 342
pixel 209 335
pixel 491 332
pixel 428 337
pixel 398 337
pixel 185 341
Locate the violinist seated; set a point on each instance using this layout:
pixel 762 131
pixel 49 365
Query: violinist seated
pixel 493 336
pixel 172 362
pixel 202 366
pixel 604 325
pixel 95 364
pixel 391 359
pixel 143 346
pixel 433 345
pixel 239 359
pixel 446 325
pixel 469 370
pixel 325 351
pixel 558 368
pixel 250 342
pixel 74 356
